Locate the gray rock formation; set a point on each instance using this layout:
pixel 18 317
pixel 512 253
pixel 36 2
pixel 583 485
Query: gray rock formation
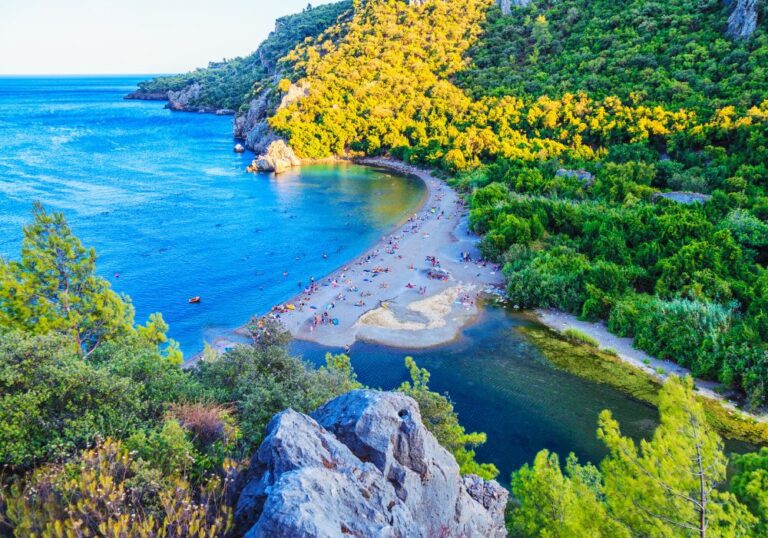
pixel 507 5
pixel 258 110
pixel 364 466
pixel 685 198
pixel 144 95
pixel 278 158
pixel 185 98
pixel 743 20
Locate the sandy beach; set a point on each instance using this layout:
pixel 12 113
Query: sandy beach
pixel 659 368
pixel 417 287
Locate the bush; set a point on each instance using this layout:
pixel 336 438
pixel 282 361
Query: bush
pixel 578 337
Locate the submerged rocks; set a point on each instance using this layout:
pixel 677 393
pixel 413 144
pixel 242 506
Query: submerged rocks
pixel 278 157
pixel 365 465
pixel 743 20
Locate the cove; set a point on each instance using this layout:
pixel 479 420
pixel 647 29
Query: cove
pixel 169 207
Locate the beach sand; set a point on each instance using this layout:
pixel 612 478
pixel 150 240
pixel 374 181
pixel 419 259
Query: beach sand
pixel 387 295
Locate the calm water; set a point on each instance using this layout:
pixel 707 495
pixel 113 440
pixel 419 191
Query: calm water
pixel 169 207
pixel 503 386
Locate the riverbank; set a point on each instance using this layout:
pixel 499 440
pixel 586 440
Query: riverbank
pixel 417 287
pixel 653 368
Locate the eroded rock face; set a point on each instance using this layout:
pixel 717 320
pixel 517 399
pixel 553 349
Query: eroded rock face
pixel 183 99
pixel 507 5
pixel 365 465
pixel 277 157
pixel 743 20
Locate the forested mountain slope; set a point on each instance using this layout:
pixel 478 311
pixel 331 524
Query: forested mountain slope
pixel 615 151
pixel 228 84
pixel 567 120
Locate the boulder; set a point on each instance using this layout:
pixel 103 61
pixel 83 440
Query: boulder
pixel 239 148
pixel 278 157
pixel 363 465
pixel 743 20
pixel 582 175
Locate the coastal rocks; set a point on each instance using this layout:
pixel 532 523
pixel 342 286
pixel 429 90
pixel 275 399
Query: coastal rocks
pixel 238 148
pixel 258 110
pixel 184 99
pixel 224 112
pixel 743 20
pixel 365 465
pixel 145 95
pixel 278 157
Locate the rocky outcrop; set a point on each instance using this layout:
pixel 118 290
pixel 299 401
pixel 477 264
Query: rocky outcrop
pixel 185 99
pixel 278 158
pixel 507 5
pixel 145 95
pixel 364 465
pixel 258 110
pixel 743 20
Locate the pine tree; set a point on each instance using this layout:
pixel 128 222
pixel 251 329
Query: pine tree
pixel 668 486
pixel 54 288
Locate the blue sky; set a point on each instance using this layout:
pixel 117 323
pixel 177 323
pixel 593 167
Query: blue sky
pixel 131 36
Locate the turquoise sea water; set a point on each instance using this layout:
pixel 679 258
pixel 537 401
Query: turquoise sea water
pixel 169 208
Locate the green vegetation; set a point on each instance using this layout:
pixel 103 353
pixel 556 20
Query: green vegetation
pixel 578 337
pixel 670 485
pixel 102 433
pixel 230 83
pixel 565 121
pixel 604 367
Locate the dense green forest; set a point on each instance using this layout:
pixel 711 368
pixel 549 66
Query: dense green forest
pixel 566 122
pixel 100 427
pixel 230 83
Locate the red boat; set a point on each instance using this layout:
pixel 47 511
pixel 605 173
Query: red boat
pixel 195 299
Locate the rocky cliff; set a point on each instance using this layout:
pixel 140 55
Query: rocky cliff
pixel 743 20
pixel 363 465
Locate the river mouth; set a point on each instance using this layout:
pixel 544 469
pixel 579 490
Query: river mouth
pixel 502 385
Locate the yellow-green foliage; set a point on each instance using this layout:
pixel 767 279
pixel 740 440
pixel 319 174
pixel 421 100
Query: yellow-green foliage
pixel 384 81
pixel 606 367
pixel 106 493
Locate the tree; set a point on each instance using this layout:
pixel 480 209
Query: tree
pixel 438 416
pixel 54 288
pixel 750 485
pixel 668 486
pixel 554 504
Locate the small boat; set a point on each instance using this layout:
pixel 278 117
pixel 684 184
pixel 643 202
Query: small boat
pixel 195 299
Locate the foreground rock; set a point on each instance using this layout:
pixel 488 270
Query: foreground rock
pixel 365 465
pixel 278 158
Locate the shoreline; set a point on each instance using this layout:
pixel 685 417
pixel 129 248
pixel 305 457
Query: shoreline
pixel 659 369
pixel 387 295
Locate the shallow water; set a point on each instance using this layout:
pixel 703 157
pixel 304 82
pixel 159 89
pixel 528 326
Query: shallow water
pixel 503 386
pixel 169 208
